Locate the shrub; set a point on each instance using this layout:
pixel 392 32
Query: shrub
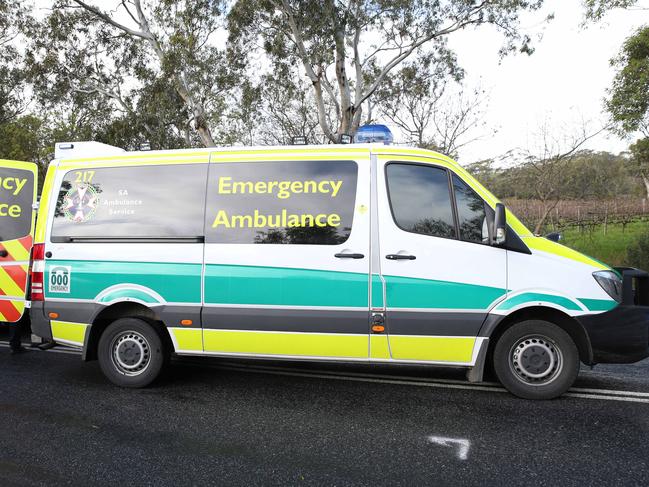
pixel 638 252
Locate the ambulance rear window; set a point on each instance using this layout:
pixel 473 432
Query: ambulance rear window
pixel 16 193
pixel 131 202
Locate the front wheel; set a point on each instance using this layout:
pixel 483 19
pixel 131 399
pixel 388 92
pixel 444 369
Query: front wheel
pixel 131 353
pixel 536 360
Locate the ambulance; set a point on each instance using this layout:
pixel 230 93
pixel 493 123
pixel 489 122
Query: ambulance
pixel 358 253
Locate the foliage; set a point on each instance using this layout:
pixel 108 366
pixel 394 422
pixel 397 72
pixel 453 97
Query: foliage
pixel 14 19
pixel 610 247
pixel 638 253
pixel 629 101
pixel 426 100
pixel 596 9
pixel 159 73
pixel 639 162
pixel 348 48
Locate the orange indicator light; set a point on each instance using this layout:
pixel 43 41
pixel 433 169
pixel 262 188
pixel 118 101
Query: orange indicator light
pixel 378 328
pixel 53 316
pixel 186 322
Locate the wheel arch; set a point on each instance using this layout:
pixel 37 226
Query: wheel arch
pixel 496 325
pixel 115 311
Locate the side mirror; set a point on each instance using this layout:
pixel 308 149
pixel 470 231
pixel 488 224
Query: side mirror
pixel 500 225
pixel 554 236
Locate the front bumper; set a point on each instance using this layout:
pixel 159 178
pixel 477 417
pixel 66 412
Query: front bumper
pixel 619 336
pixel 622 334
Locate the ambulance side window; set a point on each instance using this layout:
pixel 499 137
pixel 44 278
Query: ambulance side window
pixel 420 199
pixel 471 213
pixel 302 202
pixel 131 202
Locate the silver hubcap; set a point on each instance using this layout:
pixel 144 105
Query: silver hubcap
pixel 536 360
pixel 131 353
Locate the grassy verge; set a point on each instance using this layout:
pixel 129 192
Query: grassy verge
pixel 611 247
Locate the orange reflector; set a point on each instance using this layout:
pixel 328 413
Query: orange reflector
pixel 378 328
pixel 186 322
pixel 53 315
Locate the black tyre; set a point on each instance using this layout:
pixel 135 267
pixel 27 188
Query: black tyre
pixel 536 360
pixel 131 353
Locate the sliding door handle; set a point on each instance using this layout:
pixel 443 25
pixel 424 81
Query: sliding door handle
pixel 400 257
pixel 349 256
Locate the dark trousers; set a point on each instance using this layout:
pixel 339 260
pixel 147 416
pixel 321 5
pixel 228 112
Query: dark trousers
pixel 16 331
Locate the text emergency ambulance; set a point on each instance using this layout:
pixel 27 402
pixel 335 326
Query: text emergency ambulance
pixel 356 253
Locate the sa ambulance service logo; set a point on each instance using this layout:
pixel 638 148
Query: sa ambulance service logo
pixel 60 279
pixel 80 203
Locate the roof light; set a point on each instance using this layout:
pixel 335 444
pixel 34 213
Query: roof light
pixel 374 133
pixel 299 140
pixel 145 146
pixel 345 139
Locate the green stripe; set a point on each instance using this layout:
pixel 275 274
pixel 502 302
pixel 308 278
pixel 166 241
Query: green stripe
pixel 598 304
pixel 174 282
pixel 232 284
pixel 406 292
pixel 377 292
pixel 531 297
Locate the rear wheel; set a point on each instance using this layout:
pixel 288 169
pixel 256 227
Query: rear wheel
pixel 131 353
pixel 536 360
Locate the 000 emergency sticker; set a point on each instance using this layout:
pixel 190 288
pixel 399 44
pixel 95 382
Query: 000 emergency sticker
pixel 60 277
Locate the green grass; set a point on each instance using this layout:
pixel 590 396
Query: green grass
pixel 610 248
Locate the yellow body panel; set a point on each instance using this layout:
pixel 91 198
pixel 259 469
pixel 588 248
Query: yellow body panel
pixel 187 339
pixel 379 348
pixel 293 344
pixel 432 349
pixel 68 332
pixel 545 245
pixel 41 224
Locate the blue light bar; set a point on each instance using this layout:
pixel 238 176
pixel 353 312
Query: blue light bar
pixel 373 133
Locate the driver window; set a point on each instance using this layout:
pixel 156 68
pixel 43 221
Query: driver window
pixel 471 213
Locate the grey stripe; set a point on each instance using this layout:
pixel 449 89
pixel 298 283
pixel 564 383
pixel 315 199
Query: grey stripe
pixel 87 312
pixel 292 320
pixel 434 324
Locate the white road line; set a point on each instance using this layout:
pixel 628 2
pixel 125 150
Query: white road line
pixel 576 392
pixel 465 386
pixel 620 397
pixel 463 445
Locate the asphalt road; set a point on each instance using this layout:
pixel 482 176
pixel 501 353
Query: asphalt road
pixel 221 422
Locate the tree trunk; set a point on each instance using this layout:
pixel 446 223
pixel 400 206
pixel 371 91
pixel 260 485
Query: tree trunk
pixel 645 179
pixel 542 218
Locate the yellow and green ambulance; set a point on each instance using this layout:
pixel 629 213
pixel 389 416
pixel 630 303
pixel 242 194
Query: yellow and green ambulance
pixel 363 253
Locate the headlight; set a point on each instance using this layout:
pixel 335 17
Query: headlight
pixel 611 283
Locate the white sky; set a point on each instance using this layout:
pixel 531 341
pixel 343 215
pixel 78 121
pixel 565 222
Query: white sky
pixel 563 82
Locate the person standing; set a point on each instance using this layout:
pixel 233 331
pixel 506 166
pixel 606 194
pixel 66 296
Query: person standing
pixel 15 335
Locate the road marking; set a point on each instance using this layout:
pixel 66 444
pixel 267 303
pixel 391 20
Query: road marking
pixel 576 392
pixel 463 445
pixel 621 397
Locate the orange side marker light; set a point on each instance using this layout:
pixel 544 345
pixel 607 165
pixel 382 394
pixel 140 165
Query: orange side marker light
pixel 186 322
pixel 378 328
pixel 53 316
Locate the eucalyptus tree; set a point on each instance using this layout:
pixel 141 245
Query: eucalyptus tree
pixel 348 48
pixel 14 19
pixel 428 101
pixel 161 64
